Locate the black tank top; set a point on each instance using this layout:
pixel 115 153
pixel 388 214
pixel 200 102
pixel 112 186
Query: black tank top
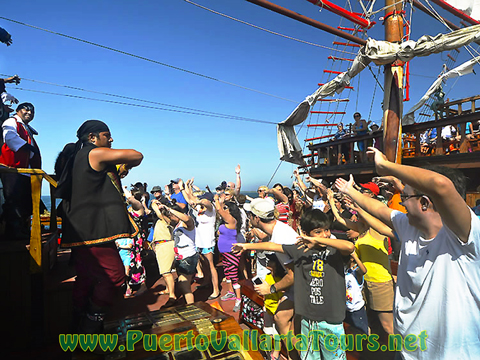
pixel 96 213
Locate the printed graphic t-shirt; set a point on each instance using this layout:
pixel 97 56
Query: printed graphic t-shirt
pixel 320 283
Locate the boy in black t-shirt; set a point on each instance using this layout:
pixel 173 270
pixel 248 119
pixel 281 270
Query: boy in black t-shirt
pixel 319 281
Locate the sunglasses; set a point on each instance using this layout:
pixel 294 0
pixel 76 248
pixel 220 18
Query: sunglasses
pixel 404 197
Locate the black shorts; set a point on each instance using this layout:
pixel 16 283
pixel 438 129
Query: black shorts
pixel 187 266
pixel 358 319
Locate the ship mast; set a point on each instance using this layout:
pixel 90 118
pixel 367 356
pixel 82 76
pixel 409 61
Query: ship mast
pixel 393 96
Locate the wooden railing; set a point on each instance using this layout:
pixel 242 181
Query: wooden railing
pixel 36 177
pixel 326 153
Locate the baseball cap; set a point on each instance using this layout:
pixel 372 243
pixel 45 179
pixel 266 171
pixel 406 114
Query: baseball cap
pixel 263 208
pixel 372 187
pixel 155 189
pixel 175 181
pixel 207 195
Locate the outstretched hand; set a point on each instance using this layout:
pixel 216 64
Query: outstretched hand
pixel 330 195
pixel 305 242
pixel 238 248
pixel 237 169
pixel 127 192
pixel 379 158
pixel 345 186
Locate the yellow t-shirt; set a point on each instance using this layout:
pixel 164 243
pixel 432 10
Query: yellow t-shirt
pixel 372 249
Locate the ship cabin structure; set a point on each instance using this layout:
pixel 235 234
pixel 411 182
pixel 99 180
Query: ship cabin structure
pixel 461 151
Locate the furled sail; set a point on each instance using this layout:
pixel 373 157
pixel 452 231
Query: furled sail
pixel 380 53
pixel 464 69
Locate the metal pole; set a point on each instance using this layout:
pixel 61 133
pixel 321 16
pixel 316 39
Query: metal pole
pixel 293 15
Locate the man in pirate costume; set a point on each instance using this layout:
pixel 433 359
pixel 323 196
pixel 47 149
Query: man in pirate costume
pixel 19 150
pixel 94 216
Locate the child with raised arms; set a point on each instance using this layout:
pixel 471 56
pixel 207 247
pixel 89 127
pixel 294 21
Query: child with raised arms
pixel 319 275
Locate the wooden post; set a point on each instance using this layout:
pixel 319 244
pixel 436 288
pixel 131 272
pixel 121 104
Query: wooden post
pixel 393 98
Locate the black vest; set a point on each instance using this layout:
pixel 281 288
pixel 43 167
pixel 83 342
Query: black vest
pixel 96 213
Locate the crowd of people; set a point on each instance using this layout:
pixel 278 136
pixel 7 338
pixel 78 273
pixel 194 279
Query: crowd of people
pixel 450 133
pixel 319 253
pixel 334 241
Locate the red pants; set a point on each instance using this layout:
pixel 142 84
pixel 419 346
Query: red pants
pixel 100 275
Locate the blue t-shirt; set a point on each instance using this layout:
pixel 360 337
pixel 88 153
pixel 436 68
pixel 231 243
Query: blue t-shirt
pixel 179 198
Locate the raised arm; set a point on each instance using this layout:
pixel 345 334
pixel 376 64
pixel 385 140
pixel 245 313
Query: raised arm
pixel 280 196
pixel 238 183
pixel 300 182
pixel 219 204
pixel 372 206
pixel 344 246
pixel 318 184
pixel 188 193
pixel 396 183
pixel 352 225
pixel 361 267
pixel 190 224
pixel 101 157
pixel 448 202
pixel 373 222
pixel 137 206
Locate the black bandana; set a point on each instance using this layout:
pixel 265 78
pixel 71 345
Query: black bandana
pixel 64 186
pixel 92 126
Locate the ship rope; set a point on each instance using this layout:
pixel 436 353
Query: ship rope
pixel 149 60
pixel 261 28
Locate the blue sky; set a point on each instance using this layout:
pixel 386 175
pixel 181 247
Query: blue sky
pixel 182 35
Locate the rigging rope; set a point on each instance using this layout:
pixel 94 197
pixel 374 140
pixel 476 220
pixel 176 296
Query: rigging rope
pixel 149 60
pixel 261 28
pixel 373 96
pixel 127 97
pixel 223 116
pixel 440 19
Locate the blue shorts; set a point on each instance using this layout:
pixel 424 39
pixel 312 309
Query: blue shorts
pixel 187 266
pixel 126 257
pixel 205 251
pixel 321 351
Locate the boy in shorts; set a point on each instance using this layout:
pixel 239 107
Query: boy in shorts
pixel 319 281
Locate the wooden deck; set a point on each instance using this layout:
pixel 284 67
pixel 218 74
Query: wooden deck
pixel 57 305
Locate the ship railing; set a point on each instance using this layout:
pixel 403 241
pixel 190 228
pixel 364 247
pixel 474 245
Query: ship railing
pixel 325 154
pixel 35 244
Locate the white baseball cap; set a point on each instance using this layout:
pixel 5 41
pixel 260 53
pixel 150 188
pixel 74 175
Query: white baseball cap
pixel 263 208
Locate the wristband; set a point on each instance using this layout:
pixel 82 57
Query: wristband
pixel 273 289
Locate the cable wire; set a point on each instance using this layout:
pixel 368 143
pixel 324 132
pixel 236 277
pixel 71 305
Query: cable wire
pixel 230 117
pixel 149 60
pixel 128 98
pixel 263 29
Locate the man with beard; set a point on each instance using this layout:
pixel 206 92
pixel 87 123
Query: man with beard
pixel 94 216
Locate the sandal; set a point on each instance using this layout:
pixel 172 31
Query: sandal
pixel 213 297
